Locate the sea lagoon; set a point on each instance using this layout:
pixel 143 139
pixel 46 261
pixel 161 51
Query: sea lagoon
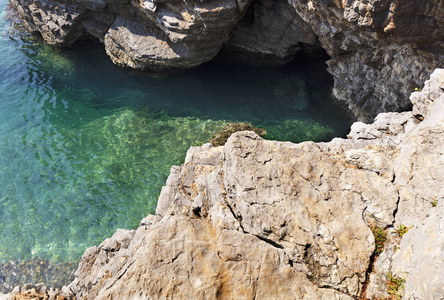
pixel 85 146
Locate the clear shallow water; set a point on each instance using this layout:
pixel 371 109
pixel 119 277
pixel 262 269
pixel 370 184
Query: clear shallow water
pixel 85 146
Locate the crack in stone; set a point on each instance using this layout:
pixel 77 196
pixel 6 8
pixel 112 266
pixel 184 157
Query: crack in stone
pixel 235 216
pixel 270 242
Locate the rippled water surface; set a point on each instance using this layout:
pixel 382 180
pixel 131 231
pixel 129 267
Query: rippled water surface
pixel 85 146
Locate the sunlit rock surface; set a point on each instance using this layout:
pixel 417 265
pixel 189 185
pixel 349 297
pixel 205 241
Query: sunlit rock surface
pixel 233 218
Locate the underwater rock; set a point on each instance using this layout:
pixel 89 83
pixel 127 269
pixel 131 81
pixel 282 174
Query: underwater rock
pixel 294 91
pixel 221 137
pixel 37 270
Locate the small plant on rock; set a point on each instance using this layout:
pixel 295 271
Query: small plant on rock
pixel 394 285
pixel 434 202
pixel 380 239
pixel 402 229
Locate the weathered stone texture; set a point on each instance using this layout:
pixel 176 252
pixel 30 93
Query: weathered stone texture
pixel 419 178
pixel 262 219
pixel 189 258
pixel 271 27
pixel 138 34
pixel 381 50
pixel 258 219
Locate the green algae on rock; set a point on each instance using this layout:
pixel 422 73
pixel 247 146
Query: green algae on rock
pixel 221 137
pixel 299 130
pixel 38 270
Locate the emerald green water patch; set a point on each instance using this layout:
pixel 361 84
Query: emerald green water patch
pixel 85 146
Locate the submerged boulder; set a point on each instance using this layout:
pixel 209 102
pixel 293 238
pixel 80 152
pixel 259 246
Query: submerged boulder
pixel 221 137
pixel 293 91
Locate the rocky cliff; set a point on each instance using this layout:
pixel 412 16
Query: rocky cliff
pixel 141 34
pixel 381 50
pixel 258 219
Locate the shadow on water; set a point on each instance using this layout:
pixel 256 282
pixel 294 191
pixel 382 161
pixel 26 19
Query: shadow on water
pixel 294 97
pixel 85 146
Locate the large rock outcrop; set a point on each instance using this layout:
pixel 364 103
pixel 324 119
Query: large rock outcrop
pixel 272 28
pixel 258 219
pixel 381 50
pixel 140 34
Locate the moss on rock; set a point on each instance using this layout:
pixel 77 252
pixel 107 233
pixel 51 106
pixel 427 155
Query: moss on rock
pixel 220 138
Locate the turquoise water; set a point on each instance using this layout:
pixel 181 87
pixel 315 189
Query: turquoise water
pixel 85 146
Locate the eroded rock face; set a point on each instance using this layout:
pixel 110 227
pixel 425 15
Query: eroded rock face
pixel 381 50
pixel 417 256
pixel 271 27
pixel 191 258
pixel 139 34
pixel 264 219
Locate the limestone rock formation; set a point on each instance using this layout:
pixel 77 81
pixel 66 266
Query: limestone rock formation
pixel 271 27
pixel 139 34
pixel 258 219
pixel 381 50
pixel 263 219
pixel 417 256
